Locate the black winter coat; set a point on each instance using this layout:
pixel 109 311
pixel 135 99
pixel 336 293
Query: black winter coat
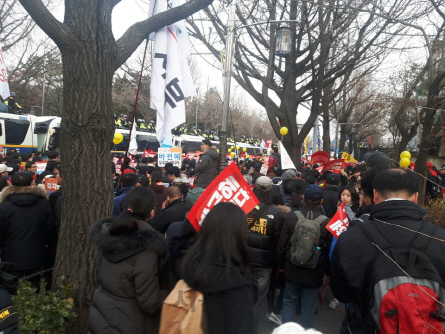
pixel 207 168
pixel 174 212
pixel 353 257
pixel 26 224
pixel 228 301
pixel 309 277
pixel 128 298
pixel 263 235
pixel 330 200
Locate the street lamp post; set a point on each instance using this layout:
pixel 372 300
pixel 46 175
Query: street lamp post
pixel 283 48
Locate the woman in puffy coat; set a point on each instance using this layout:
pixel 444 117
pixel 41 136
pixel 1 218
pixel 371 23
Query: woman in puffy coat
pixel 128 298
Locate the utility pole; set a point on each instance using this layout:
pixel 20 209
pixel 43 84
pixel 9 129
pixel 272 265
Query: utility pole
pixel 44 78
pixel 228 76
pixel 315 136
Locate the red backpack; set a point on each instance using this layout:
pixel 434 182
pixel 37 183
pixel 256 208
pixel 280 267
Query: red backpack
pixel 397 304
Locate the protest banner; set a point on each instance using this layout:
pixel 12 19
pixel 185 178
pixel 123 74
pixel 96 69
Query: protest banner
pixel 269 143
pixel 334 165
pixel 266 160
pixel 170 154
pixel 320 157
pixel 263 169
pixel 40 167
pixel 118 169
pixel 149 153
pixel 348 158
pixel 339 223
pixel 115 160
pixel 286 161
pixel 133 164
pixel 229 186
pixel 51 185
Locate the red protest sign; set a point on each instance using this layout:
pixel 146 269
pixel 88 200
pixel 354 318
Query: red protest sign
pixel 51 185
pixel 339 223
pixel 229 186
pixel 334 165
pixel 269 143
pixel 320 157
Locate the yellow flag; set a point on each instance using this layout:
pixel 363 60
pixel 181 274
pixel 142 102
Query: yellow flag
pixel 348 157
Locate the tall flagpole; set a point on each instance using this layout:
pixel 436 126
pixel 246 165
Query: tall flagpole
pixel 228 76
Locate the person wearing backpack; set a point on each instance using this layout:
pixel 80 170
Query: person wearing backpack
pixel 264 226
pixel 391 268
pixel 302 252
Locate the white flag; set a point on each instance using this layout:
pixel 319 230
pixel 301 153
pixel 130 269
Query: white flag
pixel 133 148
pixel 262 145
pixel 4 87
pixel 171 80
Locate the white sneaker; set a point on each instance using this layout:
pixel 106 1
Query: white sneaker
pixel 334 303
pixel 275 318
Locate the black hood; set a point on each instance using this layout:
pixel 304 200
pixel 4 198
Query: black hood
pixel 119 247
pixel 398 210
pixel 22 196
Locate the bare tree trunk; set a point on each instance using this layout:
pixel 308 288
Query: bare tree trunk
pixel 326 131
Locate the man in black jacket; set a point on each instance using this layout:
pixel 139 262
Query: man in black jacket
pixel 264 224
pixel 209 163
pixel 302 283
pixel 397 218
pixel 26 224
pixel 174 211
pixel 330 194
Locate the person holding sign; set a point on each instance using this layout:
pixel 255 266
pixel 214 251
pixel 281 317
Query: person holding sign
pixel 218 266
pixel 207 167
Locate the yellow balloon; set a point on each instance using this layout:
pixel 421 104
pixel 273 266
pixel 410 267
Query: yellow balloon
pixel 118 137
pixel 247 156
pixel 244 149
pixel 232 147
pixel 405 154
pixel 404 163
pixel 237 147
pixel 284 131
pixel 232 154
pixel 229 150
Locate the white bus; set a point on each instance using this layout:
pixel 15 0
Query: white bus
pixel 17 132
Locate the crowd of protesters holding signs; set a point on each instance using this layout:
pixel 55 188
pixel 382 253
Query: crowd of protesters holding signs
pixel 189 250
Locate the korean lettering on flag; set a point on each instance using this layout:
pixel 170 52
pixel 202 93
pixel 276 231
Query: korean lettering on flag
pixel 171 80
pixel 339 223
pixel 4 87
pixel 229 186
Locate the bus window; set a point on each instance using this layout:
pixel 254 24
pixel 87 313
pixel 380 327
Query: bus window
pixel 146 142
pixel 54 140
pixel 16 131
pixel 190 146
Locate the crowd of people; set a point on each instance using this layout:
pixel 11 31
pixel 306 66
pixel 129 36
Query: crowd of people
pixel 268 264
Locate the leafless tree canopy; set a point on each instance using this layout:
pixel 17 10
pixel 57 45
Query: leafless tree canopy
pixel 330 40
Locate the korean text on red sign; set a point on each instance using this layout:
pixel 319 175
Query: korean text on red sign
pixel 229 186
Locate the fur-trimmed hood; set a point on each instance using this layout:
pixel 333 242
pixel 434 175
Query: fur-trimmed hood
pixel 22 196
pixel 119 247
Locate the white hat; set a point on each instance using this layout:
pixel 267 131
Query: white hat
pixel 4 168
pixel 293 328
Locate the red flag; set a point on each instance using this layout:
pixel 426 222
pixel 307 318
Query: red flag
pixel 229 186
pixel 334 165
pixel 320 157
pixel 370 142
pixel 339 223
